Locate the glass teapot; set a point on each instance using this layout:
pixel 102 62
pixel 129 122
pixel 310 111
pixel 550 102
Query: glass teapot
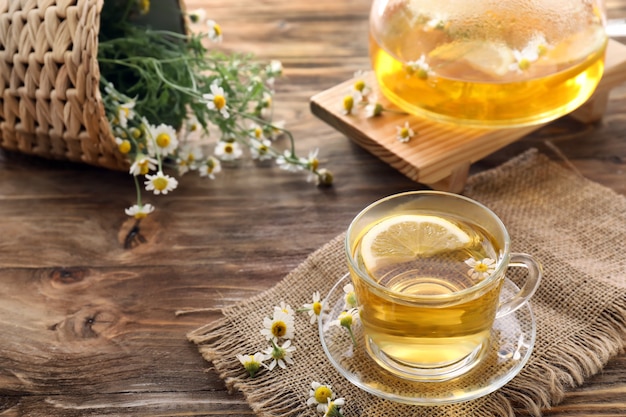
pixel 488 63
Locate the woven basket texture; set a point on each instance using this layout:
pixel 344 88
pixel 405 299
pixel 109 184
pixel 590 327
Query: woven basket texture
pixel 50 102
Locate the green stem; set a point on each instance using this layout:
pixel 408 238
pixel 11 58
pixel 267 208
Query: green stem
pixel 138 188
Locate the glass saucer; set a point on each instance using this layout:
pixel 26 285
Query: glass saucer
pixel 512 340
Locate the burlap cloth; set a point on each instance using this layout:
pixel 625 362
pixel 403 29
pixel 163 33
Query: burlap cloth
pixel 575 227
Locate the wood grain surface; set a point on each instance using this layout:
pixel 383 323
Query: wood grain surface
pixel 89 328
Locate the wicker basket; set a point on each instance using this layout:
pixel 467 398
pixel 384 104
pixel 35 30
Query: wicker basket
pixel 50 102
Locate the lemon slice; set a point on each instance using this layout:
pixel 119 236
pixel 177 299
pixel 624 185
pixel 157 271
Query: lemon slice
pixel 405 237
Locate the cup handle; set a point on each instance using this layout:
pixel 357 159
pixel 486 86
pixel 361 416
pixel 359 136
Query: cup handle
pixel 528 289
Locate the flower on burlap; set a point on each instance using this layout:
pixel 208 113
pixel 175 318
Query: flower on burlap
pixel 280 355
pixel 252 363
pixel 285 308
pixel 315 308
pixel 319 394
pixel 280 326
pixel 333 408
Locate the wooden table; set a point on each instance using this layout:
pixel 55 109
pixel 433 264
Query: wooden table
pixel 90 328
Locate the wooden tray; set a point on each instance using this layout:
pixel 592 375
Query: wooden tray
pixel 440 155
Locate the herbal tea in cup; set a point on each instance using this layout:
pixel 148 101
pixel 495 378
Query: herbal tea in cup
pixel 488 63
pixel 427 268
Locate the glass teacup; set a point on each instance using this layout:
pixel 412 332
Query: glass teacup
pixel 427 268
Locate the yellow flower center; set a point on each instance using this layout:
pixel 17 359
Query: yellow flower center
pixel 217 29
pixel 124 147
pixel 258 132
pixel 136 133
pixel 159 183
pixel 219 101
pixel 524 64
pixel 317 308
pixel 404 132
pixel 481 267
pixel 144 6
pixel 140 215
pixel 345 319
pixel 143 167
pixel 322 394
pixel 263 149
pixel 359 85
pixel 228 148
pixel 163 140
pixel 279 328
pixel 314 163
pixel 348 103
pixel 422 74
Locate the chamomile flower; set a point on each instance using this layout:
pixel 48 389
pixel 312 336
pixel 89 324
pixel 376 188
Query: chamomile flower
pixel 265 106
pixel 347 104
pixel 164 139
pixel 188 158
pixel 315 308
pixel 216 100
pixel 359 87
pixel 273 70
pixel 210 167
pixel 252 363
pixel 374 109
pixel 319 396
pixel 480 269
pixel 280 355
pixel 333 408
pixel 280 326
pixel 529 54
pixel 404 133
pixel 256 131
pixel 285 308
pixel 324 177
pixel 345 320
pixel 418 68
pixel 215 31
pixel 228 151
pixel 192 124
pixel 160 183
pixel 139 212
pixel 142 165
pixel 311 161
pixel 350 296
pixel 123 145
pixel 260 149
pixel 125 112
pixel 277 129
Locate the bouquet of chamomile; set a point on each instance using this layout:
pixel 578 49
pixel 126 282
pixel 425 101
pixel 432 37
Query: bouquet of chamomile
pixel 176 105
